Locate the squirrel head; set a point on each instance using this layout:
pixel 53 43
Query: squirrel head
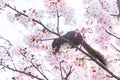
pixel 56 44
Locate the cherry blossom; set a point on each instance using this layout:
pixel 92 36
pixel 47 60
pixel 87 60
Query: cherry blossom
pixel 34 59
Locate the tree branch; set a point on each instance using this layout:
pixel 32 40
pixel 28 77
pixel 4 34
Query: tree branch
pixel 22 72
pixel 39 71
pixel 116 15
pixel 39 22
pixel 102 5
pixel 69 73
pixel 47 39
pixel 66 74
pixel 118 4
pixel 7 52
pixel 57 20
pixel 115 48
pixel 62 78
pixel 35 67
pixel 10 44
pixel 112 34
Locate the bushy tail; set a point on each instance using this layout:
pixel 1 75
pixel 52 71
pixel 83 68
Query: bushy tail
pixel 94 53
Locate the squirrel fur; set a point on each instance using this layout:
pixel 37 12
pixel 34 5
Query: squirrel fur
pixel 76 39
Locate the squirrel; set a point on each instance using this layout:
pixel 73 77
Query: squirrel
pixel 76 39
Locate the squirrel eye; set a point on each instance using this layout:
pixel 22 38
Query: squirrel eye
pixel 54 48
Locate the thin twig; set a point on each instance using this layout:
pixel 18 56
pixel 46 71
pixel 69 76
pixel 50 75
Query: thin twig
pixel 115 48
pixel 7 52
pixel 39 22
pixel 6 40
pixel 57 20
pixel 39 71
pixel 35 67
pixel 116 15
pixel 102 5
pixel 22 72
pixel 112 34
pixel 47 39
pixel 69 73
pixel 62 78
pixel 118 4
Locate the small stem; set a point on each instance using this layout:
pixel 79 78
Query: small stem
pixel 112 34
pixel 115 48
pixel 39 71
pixel 22 72
pixel 62 78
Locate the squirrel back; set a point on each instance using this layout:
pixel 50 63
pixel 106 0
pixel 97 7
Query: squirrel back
pixel 72 36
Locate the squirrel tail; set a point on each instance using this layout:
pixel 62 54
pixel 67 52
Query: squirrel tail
pixel 94 53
